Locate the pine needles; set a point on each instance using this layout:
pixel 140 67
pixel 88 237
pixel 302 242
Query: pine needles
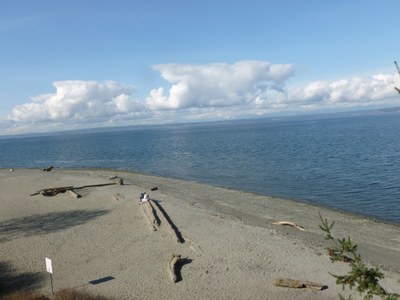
pixel 361 277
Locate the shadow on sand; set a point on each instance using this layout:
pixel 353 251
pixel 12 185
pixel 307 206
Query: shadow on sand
pixel 183 261
pixel 169 220
pixel 46 223
pixel 101 280
pixel 11 281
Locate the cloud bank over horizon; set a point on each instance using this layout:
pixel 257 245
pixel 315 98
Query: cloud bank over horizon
pixel 198 92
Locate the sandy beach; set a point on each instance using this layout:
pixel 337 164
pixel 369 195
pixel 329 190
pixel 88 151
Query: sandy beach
pixel 104 243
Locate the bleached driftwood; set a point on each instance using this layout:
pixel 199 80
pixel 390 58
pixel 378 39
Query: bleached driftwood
pixel 150 213
pixel 148 216
pixel 171 268
pixel 286 223
pixel 298 284
pixel 165 223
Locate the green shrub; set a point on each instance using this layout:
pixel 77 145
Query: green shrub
pixel 364 279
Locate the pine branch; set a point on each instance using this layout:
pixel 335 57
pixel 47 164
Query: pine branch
pixel 364 279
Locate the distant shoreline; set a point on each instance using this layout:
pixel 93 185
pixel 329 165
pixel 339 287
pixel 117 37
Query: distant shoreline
pixel 279 118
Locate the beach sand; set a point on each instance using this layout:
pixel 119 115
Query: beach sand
pixel 103 243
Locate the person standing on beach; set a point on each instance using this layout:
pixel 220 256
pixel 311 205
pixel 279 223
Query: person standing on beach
pixel 145 198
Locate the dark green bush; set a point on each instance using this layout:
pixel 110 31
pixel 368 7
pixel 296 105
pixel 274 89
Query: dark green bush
pixel 363 278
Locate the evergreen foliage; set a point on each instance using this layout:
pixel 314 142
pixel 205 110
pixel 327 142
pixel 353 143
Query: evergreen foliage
pixel 361 277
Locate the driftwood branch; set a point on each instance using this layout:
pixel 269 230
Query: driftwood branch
pixel 53 191
pixel 172 267
pixel 298 284
pixel 63 189
pixel 119 181
pixel 286 223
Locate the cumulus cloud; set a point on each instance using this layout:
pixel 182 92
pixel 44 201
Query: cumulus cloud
pixel 357 90
pixel 258 87
pixel 200 93
pixel 216 85
pixel 76 100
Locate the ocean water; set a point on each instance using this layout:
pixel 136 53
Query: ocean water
pixel 351 164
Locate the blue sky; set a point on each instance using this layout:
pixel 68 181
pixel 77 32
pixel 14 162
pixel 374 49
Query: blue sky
pixel 78 64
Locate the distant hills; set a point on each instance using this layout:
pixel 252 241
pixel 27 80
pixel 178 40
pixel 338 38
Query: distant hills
pixel 276 118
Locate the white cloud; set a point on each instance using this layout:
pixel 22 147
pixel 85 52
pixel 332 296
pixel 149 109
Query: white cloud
pixel 216 85
pixel 258 87
pixel 373 90
pixel 74 100
pixel 199 93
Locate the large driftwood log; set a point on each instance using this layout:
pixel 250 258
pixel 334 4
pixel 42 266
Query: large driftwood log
pixel 148 216
pixel 63 189
pixel 286 223
pixel 150 213
pixel 298 284
pixel 171 268
pixel 165 222
pixel 53 191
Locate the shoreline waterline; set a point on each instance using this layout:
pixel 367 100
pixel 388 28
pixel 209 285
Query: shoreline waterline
pixel 288 200
pixel 348 164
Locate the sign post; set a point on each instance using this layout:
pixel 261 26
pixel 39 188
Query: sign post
pixel 49 269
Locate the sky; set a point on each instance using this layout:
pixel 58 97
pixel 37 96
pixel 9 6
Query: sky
pixel 83 64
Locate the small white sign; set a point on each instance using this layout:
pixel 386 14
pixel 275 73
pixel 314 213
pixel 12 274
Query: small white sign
pixel 49 268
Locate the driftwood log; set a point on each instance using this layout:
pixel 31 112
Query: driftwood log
pixel 148 216
pixel 172 267
pixel 165 222
pixel 53 191
pixel 158 218
pixel 48 169
pixel 298 284
pixel 286 223
pixel 151 214
pixel 63 189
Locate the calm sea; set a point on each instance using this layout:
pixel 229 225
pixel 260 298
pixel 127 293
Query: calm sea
pixel 352 164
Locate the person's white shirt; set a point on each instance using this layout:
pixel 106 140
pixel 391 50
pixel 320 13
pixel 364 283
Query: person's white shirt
pixel 146 197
